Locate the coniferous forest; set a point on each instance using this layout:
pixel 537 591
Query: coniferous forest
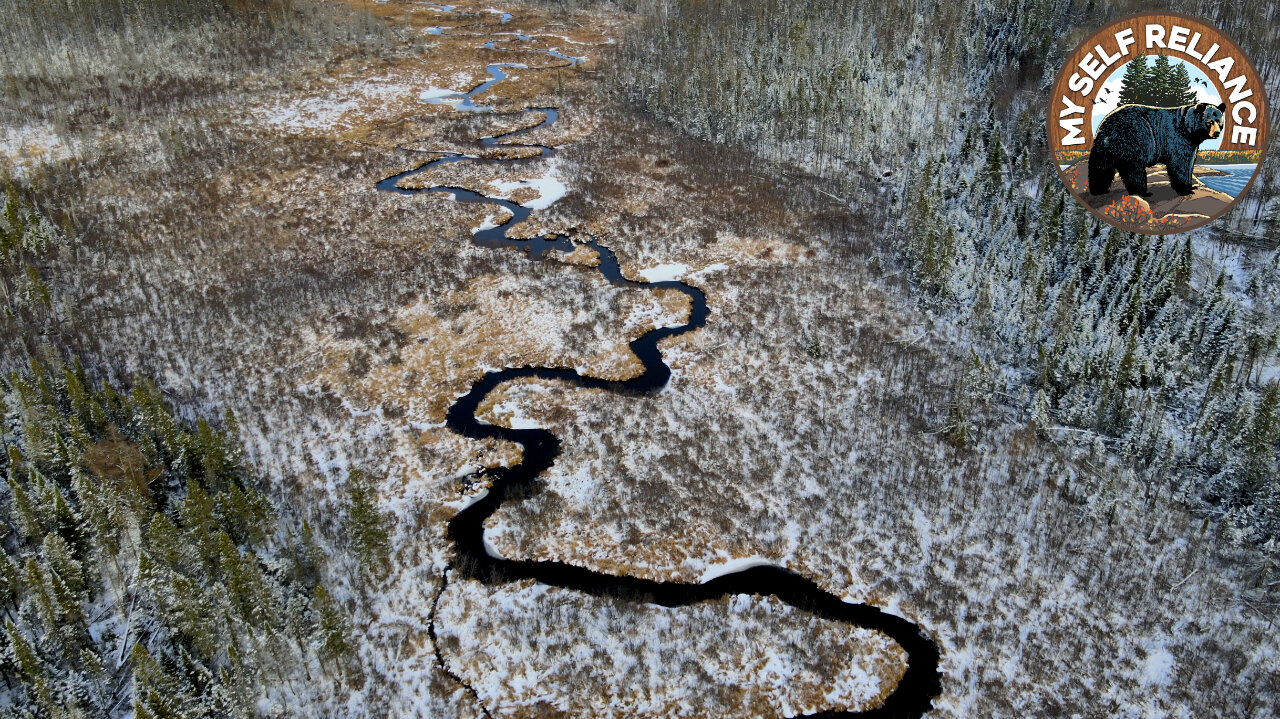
pixel 145 570
pixel 932 122
pixel 1162 84
pixel 143 566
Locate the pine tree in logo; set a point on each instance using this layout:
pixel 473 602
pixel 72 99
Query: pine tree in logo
pixel 1162 84
pixel 1133 86
pixel 1181 92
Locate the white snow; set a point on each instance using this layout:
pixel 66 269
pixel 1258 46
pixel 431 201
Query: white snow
pixel 330 110
pixel 664 272
pixel 434 93
pixel 717 267
pixel 32 143
pixel 492 221
pixel 549 187
pixel 468 501
pixel 1158 668
pixel 734 565
pixel 509 410
pixel 489 549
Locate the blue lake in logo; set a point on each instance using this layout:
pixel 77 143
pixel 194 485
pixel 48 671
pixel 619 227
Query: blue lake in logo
pixel 1232 183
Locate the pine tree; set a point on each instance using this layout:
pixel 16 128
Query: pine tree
pixel 90 539
pixel 164 543
pixel 1133 84
pixel 64 583
pixel 67 574
pixel 199 523
pixel 156 694
pixel 1259 445
pixel 35 674
pixel 1185 263
pixel 365 525
pixel 1180 92
pixel 995 162
pixel 972 385
pixel 1162 91
pixel 218 463
pixel 332 629
pixel 247 514
pixel 1040 413
pixel 12 586
pixel 1126 372
pixel 244 581
pixel 27 520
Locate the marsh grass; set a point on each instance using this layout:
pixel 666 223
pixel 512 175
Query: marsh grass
pixel 84 63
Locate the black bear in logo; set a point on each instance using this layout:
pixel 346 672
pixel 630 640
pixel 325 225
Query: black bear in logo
pixel 1135 137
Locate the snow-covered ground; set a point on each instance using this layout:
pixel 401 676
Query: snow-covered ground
pixel 27 145
pixel 548 187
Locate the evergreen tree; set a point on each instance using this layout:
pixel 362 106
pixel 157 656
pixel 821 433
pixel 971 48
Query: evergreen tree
pixel 995 162
pixel 1185 263
pixel 1133 84
pixel 33 671
pixel 365 526
pixel 332 628
pixel 1040 413
pixel 1180 92
pixel 1260 443
pixel 208 621
pixel 156 693
pixel 1168 83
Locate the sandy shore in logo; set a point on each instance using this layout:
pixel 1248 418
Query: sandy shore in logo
pixel 1164 211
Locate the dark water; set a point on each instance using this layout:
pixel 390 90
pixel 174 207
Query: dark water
pixel 913 695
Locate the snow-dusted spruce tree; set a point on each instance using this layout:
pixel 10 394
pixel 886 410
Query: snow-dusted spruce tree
pixel 365 526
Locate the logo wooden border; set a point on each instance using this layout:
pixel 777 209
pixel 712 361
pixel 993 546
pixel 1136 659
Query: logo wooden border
pixel 1070 65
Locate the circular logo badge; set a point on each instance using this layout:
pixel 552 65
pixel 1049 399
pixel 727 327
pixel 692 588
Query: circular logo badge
pixel 1158 123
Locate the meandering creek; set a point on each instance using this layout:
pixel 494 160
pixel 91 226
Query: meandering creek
pixel 914 693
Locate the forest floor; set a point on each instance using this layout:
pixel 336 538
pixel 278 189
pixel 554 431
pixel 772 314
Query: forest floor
pixel 246 259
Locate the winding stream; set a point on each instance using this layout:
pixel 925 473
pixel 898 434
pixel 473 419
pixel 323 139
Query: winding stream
pixel 914 693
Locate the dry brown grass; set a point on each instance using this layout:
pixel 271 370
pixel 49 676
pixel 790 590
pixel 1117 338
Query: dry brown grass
pixel 443 346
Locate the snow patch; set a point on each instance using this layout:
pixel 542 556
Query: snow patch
pixel 468 501
pixel 717 267
pixel 734 565
pixel 1157 670
pixel 509 410
pixel 331 110
pixel 435 93
pixel 663 273
pixel 492 221
pixel 32 143
pixel 489 549
pixel 549 187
